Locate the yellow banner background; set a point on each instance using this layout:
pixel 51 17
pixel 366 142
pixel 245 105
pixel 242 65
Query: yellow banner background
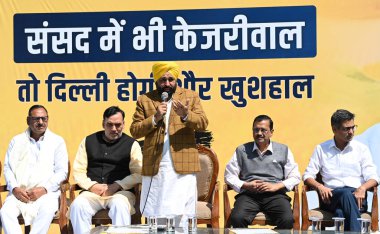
pixel 346 70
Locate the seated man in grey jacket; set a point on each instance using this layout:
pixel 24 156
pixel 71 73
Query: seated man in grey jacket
pixel 262 171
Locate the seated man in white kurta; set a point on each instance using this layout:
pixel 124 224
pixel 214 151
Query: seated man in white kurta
pixel 35 164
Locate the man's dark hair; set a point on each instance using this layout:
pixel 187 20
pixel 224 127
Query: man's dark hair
pixel 36 107
pixel 341 116
pixel 261 118
pixel 112 111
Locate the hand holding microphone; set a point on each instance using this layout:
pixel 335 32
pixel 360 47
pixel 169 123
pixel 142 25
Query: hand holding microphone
pixel 162 108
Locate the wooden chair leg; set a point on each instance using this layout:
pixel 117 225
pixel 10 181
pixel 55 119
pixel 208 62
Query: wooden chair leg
pixel 27 229
pixel 64 229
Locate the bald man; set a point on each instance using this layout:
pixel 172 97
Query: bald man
pixel 168 117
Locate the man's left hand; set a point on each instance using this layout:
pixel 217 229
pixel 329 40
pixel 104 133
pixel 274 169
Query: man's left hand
pixel 36 193
pixel 359 194
pixel 268 187
pixel 180 109
pixel 111 189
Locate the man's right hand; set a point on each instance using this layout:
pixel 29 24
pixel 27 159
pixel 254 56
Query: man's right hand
pixel 161 111
pixel 325 193
pixel 21 194
pixel 252 186
pixel 98 189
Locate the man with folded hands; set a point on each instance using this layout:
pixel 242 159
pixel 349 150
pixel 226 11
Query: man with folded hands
pixel 262 171
pixel 107 166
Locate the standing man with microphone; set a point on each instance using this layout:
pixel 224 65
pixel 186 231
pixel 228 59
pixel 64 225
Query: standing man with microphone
pixel 168 118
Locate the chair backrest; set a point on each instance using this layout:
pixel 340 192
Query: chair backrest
pixel 207 177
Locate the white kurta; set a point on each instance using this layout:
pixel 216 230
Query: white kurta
pixel 29 164
pixel 168 193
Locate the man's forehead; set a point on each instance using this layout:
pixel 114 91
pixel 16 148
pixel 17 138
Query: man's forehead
pixel 167 75
pixel 38 111
pixel 262 122
pixel 114 121
pixel 347 122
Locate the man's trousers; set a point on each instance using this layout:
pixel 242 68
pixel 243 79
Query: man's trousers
pixel 343 204
pixel 274 205
pixel 120 205
pixel 48 206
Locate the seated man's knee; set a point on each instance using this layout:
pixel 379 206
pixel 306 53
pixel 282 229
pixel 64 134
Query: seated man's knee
pixel 80 204
pixel 285 222
pixel 10 210
pixel 120 203
pixel 339 213
pixel 238 220
pixel 346 194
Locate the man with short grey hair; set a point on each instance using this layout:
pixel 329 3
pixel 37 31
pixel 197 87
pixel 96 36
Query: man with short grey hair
pixel 262 171
pixel 35 164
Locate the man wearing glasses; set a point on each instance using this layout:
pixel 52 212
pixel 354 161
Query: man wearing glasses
pixel 35 164
pixel 347 171
pixel 261 172
pixel 107 166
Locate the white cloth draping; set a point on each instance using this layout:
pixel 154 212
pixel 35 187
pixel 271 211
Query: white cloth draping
pixel 168 193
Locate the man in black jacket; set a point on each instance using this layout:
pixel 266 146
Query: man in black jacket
pixel 107 166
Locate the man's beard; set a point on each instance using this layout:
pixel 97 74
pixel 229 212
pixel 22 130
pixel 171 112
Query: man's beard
pixel 169 90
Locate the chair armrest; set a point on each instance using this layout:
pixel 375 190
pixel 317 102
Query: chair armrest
pixel 73 188
pixel 296 208
pixel 227 206
pixel 375 211
pixel 64 186
pixel 136 217
pixel 215 201
pixel 305 208
pixel 63 207
pixel 3 188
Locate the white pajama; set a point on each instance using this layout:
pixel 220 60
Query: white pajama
pixel 169 193
pixel 86 204
pixel 48 205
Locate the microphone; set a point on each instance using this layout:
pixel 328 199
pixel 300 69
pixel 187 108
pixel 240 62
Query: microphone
pixel 164 96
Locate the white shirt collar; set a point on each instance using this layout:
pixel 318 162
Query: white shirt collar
pixel 333 145
pixel 270 148
pixel 32 139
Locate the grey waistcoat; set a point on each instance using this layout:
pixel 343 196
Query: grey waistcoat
pixel 269 167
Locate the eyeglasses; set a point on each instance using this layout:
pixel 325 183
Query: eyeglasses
pixel 347 129
pixel 263 130
pixel 37 119
pixel 164 80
